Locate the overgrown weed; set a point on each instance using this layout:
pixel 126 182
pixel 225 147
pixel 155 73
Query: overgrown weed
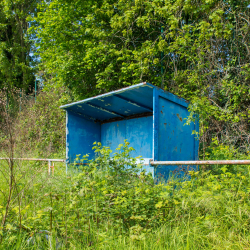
pixel 112 203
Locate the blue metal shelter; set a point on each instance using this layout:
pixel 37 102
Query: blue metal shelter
pixel 151 119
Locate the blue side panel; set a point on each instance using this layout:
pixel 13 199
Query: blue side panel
pixel 155 124
pixel 138 131
pixel 171 97
pixel 81 134
pixel 175 141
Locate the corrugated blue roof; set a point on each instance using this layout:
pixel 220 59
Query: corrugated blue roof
pixel 122 103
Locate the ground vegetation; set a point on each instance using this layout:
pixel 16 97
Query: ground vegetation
pixel 106 205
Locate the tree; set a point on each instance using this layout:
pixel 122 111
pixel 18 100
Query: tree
pixel 196 49
pixel 16 62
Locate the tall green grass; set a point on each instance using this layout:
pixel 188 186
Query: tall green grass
pixel 106 205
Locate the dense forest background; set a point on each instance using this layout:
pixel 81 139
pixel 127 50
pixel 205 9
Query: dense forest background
pixel 197 49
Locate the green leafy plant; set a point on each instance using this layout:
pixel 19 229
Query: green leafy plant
pixel 112 202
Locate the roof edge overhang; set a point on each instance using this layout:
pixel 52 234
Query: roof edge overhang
pixel 170 96
pixel 123 103
pixel 107 94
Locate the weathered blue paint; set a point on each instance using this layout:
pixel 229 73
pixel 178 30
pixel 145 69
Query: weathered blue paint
pixel 133 100
pixel 138 131
pixel 176 142
pixel 155 124
pixel 135 103
pixel 159 135
pixel 171 97
pixel 113 134
pixel 81 134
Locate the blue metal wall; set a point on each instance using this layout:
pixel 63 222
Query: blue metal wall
pixel 80 136
pixel 172 140
pixel 138 131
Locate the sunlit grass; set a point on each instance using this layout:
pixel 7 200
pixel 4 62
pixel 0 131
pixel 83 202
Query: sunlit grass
pixel 105 207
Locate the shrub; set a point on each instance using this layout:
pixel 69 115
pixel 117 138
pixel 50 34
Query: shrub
pixel 41 126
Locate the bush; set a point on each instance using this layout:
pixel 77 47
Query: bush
pixel 41 126
pixel 220 151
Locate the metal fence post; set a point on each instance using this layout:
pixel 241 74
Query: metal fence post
pixel 53 168
pixel 49 167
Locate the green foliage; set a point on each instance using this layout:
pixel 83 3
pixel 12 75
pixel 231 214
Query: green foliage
pixel 127 37
pixel 217 151
pixel 195 49
pixel 16 63
pixel 112 203
pixel 40 127
pixel 124 192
